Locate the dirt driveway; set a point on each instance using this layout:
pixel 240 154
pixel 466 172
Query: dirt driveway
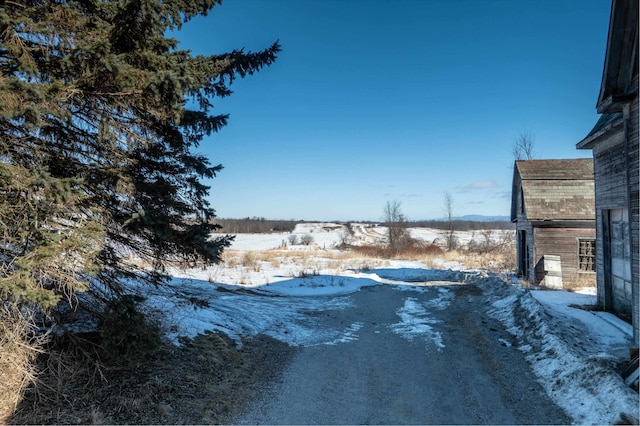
pixel 429 355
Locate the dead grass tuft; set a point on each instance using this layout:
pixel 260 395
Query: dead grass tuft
pixel 18 351
pixel 250 261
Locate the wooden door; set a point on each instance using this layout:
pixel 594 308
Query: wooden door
pixel 618 296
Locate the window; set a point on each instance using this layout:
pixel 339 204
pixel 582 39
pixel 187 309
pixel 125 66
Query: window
pixel 586 255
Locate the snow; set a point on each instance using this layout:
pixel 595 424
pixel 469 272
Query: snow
pixel 572 351
pixel 191 307
pixel 320 285
pixel 416 321
pixel 329 235
pixel 257 241
pixel 609 332
pixel 438 236
pixel 415 272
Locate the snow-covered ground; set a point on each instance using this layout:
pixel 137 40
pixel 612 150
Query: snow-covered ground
pixel 329 235
pixel 573 351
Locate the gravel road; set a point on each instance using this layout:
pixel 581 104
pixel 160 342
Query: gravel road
pixel 448 364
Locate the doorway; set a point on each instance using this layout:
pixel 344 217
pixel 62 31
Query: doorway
pixel 617 273
pixel 523 254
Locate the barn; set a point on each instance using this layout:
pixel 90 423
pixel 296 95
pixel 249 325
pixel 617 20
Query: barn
pixel 552 204
pixel 616 157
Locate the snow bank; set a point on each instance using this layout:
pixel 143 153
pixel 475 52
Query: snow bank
pixel 572 352
pixel 191 307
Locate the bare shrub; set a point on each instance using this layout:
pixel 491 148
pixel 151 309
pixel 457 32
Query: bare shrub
pixel 452 241
pixel 293 239
pixel 306 239
pixel 398 237
pixel 487 241
pixel 18 350
pixel 346 237
pixel 492 252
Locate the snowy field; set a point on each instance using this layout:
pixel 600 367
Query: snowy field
pixel 572 351
pixel 329 235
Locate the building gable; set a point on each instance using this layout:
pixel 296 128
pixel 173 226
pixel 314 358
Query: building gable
pixel 553 190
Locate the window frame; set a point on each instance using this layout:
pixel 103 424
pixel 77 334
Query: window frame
pixel 582 265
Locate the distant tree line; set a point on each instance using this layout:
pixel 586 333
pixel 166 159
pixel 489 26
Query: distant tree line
pixel 260 225
pixel 256 225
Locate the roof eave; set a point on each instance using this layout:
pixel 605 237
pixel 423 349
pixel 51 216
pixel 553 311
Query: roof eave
pixel 615 103
pixel 592 139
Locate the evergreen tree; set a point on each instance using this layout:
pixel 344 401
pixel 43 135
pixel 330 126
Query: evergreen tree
pixel 100 118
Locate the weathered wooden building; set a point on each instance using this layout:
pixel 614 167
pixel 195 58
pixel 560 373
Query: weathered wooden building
pixel 552 204
pixel 614 142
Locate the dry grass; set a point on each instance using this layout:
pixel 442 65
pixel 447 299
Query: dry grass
pixel 297 262
pixel 500 259
pixel 493 261
pixel 18 351
pixel 201 382
pixel 580 281
pixel 496 258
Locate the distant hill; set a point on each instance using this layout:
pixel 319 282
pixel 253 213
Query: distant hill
pixel 468 223
pixel 478 218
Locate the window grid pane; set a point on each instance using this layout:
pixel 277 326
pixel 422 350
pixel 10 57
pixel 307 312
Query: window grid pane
pixel 587 255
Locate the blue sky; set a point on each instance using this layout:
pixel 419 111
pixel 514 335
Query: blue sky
pixel 405 100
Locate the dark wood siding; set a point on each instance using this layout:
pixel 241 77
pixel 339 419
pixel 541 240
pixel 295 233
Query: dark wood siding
pixel 616 154
pixel 563 242
pixel 564 208
pixel 634 187
pixel 611 193
pixel 610 174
